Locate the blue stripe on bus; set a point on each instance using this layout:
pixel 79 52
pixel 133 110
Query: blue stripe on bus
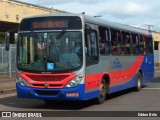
pixel 148 74
pixel 127 85
pixel 27 92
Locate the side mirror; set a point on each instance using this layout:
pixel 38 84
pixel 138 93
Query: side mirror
pixel 7 38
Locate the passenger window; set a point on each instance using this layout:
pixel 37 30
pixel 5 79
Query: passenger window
pixel 141 45
pixel 104 42
pixel 135 41
pixel 149 45
pixel 115 42
pixel 91 44
pixel 126 43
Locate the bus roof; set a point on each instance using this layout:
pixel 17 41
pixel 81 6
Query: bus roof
pixel 97 21
pixel 114 25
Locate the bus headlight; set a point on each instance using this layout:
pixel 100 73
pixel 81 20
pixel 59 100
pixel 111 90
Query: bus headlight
pixel 74 82
pixel 21 81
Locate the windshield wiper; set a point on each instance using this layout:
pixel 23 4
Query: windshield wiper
pixel 56 38
pixel 35 36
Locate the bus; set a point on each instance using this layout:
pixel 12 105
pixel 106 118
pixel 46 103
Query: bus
pixel 79 57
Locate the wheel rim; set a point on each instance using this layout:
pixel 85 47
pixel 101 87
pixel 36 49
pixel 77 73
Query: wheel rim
pixel 139 81
pixel 102 90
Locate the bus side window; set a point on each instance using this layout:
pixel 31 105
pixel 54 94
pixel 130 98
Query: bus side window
pixel 91 44
pixel 107 43
pixel 115 42
pixel 135 47
pixel 126 43
pixel 141 45
pixel 104 42
pixel 149 45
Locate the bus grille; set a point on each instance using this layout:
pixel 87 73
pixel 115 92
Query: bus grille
pixel 48 86
pixel 46 92
pixel 48 78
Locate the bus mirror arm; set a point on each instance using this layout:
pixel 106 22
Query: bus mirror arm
pixel 7 39
pixel 86 50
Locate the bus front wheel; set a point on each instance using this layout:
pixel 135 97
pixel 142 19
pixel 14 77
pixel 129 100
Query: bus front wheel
pixel 103 92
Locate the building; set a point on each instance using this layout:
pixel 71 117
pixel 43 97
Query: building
pixel 156 38
pixel 11 14
pixel 13 11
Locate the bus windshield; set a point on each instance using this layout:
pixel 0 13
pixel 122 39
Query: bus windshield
pixel 49 51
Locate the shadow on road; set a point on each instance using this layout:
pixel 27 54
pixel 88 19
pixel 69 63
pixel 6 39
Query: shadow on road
pixel 29 104
pixel 14 102
pixel 120 93
pixel 156 79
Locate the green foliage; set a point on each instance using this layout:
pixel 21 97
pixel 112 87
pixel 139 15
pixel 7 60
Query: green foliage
pixel 2 37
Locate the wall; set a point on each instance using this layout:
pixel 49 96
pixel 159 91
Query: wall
pixel 156 38
pixel 14 11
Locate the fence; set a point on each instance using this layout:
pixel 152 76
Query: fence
pixel 157 58
pixel 7 61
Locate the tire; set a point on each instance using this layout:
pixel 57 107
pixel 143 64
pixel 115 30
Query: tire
pixel 139 82
pixel 104 87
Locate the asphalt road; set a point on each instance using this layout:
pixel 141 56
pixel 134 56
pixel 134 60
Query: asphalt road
pixel 148 99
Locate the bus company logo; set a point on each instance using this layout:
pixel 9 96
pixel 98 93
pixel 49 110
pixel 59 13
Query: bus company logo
pixel 116 64
pixel 21 114
pixel 46 85
pixel 6 114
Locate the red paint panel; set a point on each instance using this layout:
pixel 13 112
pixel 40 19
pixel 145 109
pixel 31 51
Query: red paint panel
pixel 129 73
pixel 125 75
pixel 36 80
pixel 115 77
pixel 92 81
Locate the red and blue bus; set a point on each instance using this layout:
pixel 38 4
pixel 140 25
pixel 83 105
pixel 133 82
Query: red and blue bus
pixel 78 57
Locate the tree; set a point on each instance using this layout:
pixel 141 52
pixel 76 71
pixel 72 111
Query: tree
pixel 2 37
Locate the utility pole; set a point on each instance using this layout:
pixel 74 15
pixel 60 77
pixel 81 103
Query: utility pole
pixel 97 16
pixel 149 26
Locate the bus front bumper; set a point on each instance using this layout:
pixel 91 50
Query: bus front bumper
pixel 76 93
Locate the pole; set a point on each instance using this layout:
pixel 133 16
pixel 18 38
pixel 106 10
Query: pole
pixel 149 26
pixel 9 57
pixel 2 57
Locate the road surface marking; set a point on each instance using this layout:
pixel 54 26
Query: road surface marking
pixel 152 88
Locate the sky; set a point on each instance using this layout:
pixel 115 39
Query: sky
pixel 139 13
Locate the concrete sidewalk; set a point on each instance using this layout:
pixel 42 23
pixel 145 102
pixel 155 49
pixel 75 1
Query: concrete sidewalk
pixel 9 85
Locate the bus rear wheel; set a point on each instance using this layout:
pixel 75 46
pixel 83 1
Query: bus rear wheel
pixel 103 92
pixel 139 82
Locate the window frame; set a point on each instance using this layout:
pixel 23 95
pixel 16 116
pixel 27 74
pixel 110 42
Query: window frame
pixel 135 45
pixel 91 59
pixel 115 41
pixel 127 44
pixel 104 38
pixel 150 46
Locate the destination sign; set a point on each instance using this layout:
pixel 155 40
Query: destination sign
pixel 50 24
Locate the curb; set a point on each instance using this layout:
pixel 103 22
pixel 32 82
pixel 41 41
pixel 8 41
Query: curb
pixel 6 91
pixel 7 86
pixel 7 80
